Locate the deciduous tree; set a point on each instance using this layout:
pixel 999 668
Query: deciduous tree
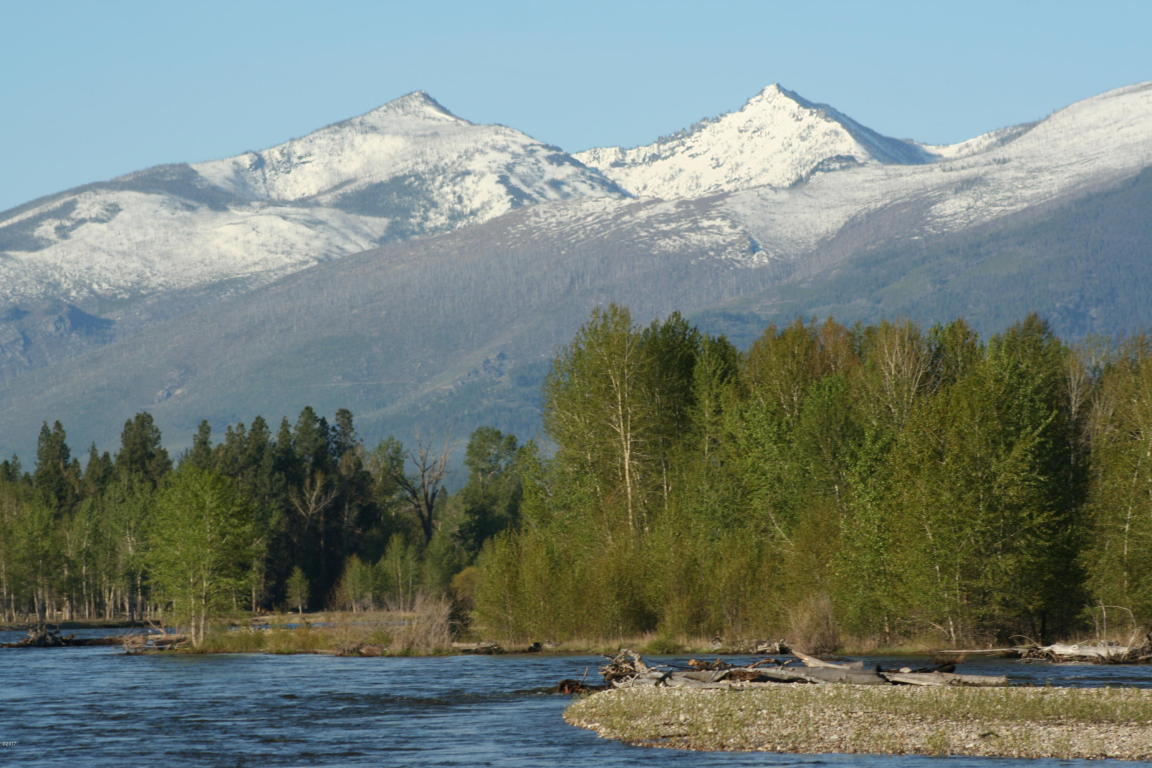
pixel 201 547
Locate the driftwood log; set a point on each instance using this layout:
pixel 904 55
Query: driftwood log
pixel 41 637
pixel 628 669
pixel 492 649
pixel 1091 653
pixel 571 687
pixel 162 641
pixel 1077 653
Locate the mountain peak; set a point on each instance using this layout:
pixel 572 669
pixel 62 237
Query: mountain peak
pixel 416 104
pixel 778 138
pixel 777 96
pixel 772 91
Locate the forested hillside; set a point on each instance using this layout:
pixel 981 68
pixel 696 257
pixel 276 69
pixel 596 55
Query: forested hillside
pixel 881 483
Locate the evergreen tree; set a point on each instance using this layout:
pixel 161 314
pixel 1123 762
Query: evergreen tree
pixel 10 470
pixel 56 477
pixel 311 441
pixel 200 454
pixel 98 473
pixel 142 457
pixel 491 497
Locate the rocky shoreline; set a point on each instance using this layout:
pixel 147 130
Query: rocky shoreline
pixel 1019 722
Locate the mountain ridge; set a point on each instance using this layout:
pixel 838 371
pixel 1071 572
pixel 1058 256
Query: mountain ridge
pixel 450 323
pixel 262 214
pixel 406 169
pixel 776 138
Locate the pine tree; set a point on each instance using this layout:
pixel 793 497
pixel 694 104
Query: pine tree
pixel 201 454
pixel 56 477
pixel 491 497
pixel 142 457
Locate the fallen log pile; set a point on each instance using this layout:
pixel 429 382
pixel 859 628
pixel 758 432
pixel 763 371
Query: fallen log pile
pixel 1090 653
pixel 161 641
pixel 628 669
pixel 42 637
pixel 492 649
pixel 1071 653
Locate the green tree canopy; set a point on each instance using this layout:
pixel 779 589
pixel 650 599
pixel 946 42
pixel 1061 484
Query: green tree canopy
pixel 201 546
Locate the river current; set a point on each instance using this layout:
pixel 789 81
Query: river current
pixel 99 707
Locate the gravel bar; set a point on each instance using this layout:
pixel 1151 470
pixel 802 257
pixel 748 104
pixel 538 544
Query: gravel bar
pixel 1030 722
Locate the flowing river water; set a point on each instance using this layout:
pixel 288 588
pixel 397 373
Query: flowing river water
pixel 99 707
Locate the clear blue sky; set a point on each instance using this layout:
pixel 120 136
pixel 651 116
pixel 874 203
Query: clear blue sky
pixel 91 90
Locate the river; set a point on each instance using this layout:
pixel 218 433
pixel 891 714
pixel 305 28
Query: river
pixel 99 707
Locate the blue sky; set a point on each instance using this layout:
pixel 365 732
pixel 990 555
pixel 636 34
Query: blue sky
pixel 91 90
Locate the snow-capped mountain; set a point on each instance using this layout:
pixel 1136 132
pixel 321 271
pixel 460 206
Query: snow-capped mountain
pixel 793 173
pixel 498 245
pixel 777 138
pixel 409 168
pixel 1088 145
pixel 409 152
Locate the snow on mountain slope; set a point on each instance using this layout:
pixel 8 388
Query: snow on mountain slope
pixel 409 168
pixel 155 243
pixel 981 143
pixel 482 170
pixel 1087 145
pixel 777 138
pixel 653 226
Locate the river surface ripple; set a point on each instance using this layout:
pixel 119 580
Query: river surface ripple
pixel 98 707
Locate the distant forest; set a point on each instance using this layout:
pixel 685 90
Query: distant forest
pixel 882 483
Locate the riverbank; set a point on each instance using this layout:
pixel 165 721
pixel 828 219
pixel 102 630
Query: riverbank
pixel 1021 722
pixel 342 632
pixel 24 626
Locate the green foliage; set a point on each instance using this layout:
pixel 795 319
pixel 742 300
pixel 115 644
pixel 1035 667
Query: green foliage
pixel 142 457
pixel 299 593
pixel 986 496
pixel 1120 506
pixel 599 410
pixel 491 497
pixel 398 573
pixel 33 550
pixel 200 547
pixel 358 585
pixel 57 476
pixel 442 559
pixel 317 518
pixel 878 481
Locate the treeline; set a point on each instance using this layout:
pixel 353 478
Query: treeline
pixel 883 482
pixel 304 518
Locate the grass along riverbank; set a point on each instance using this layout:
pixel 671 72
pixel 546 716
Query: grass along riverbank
pixel 424 630
pixel 1026 722
pixel 427 629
